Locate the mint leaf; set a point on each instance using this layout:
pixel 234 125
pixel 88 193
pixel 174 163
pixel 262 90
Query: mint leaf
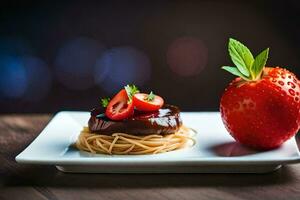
pixel 259 63
pixel 131 90
pixel 234 71
pixel 105 102
pixel 247 67
pixel 150 97
pixel 241 56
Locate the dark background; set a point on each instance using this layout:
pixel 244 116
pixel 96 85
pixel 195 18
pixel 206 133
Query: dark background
pixel 66 56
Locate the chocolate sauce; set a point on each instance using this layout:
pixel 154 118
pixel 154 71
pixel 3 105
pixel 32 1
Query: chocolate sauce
pixel 164 121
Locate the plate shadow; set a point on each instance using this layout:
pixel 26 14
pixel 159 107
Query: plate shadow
pixel 232 149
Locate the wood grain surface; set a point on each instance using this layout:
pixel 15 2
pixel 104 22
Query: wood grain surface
pixel 20 181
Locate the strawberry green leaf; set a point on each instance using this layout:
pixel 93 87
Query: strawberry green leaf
pixel 234 71
pixel 105 102
pixel 259 63
pixel 241 56
pixel 131 90
pixel 150 97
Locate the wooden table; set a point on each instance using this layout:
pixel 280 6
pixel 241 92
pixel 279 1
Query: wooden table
pixel 19 181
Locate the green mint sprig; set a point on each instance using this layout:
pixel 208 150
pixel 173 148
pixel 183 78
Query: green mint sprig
pixel 105 102
pixel 131 90
pixel 150 96
pixel 246 66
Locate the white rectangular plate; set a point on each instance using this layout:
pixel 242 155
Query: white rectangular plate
pixel 215 150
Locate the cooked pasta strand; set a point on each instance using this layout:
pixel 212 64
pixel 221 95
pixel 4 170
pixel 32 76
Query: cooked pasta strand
pixel 122 143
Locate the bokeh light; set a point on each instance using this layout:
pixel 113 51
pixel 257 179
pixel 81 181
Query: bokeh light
pixel 39 78
pixel 24 77
pixel 13 77
pixel 75 63
pixel 121 66
pixel 187 56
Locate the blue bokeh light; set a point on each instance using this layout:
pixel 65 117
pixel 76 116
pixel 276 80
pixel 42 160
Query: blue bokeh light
pixel 75 63
pixel 39 78
pixel 121 66
pixel 13 77
pixel 24 77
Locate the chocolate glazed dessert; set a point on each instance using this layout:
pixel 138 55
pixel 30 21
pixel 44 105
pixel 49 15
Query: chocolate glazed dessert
pixel 164 121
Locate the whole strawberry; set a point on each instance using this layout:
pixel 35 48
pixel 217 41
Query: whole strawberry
pixel 260 108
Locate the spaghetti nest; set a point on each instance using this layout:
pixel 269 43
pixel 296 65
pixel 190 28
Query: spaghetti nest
pixel 122 143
